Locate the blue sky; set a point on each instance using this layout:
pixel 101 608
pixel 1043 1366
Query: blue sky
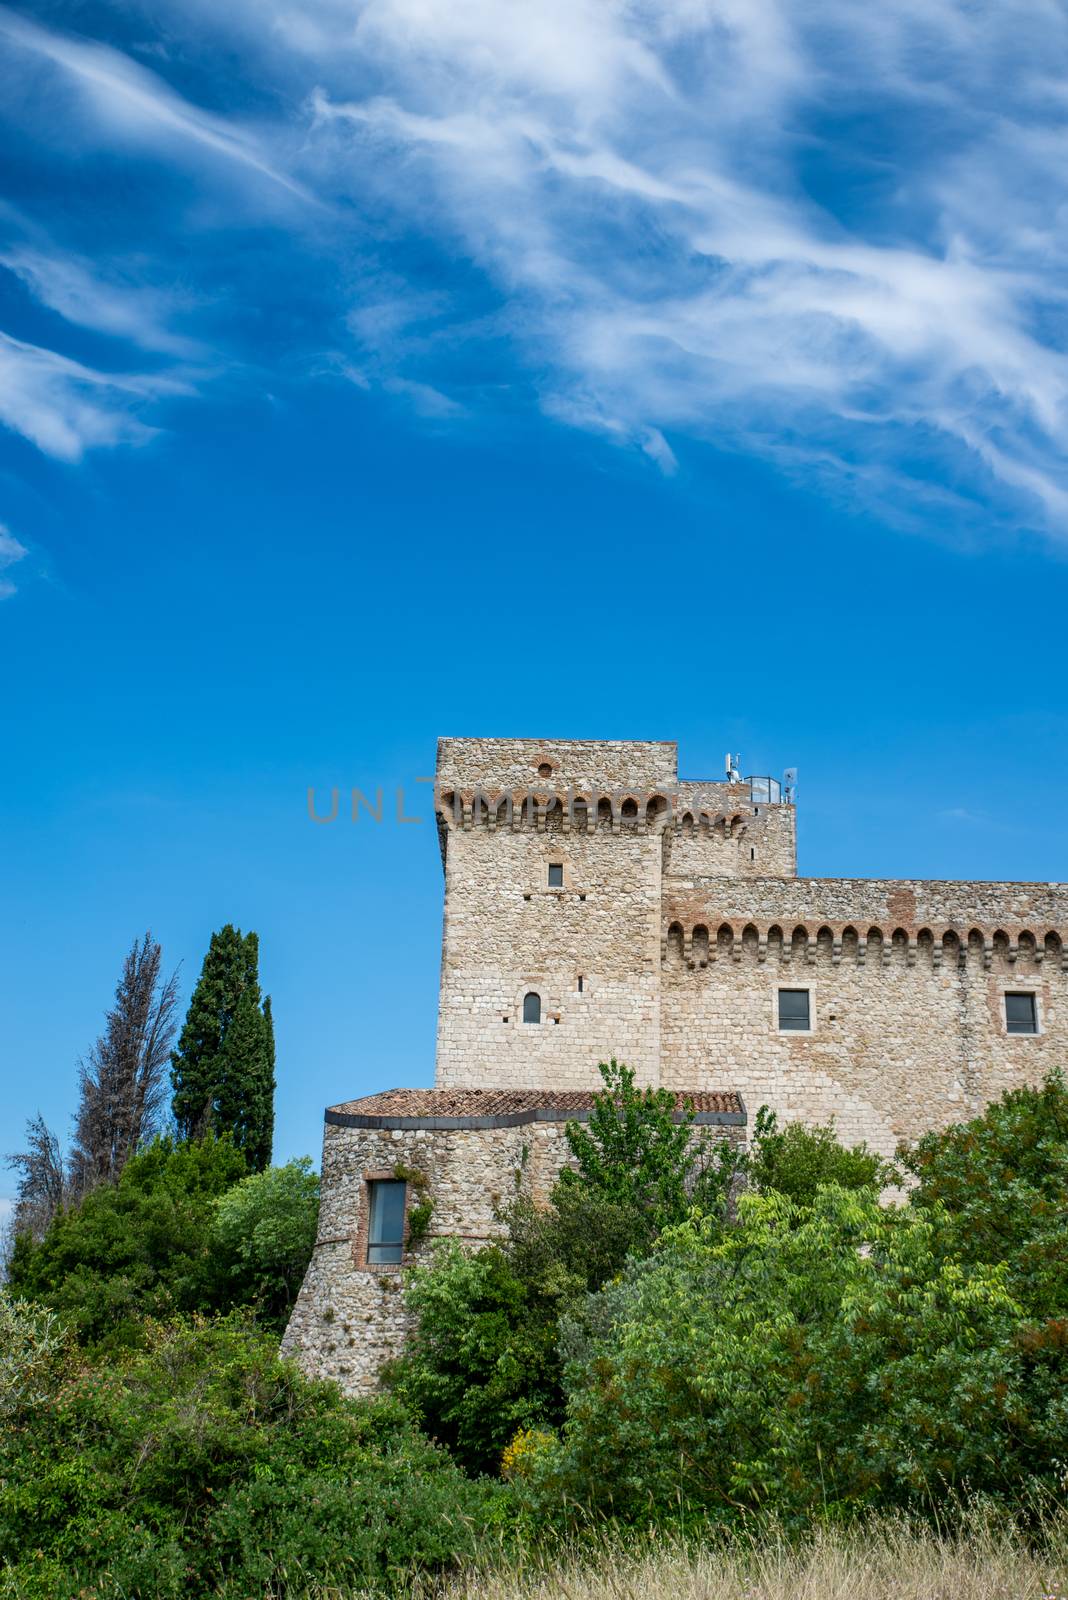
pixel 370 371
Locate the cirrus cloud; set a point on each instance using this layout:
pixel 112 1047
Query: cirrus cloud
pixel 10 552
pixel 828 235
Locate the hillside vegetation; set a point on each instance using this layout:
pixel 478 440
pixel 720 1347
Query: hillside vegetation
pixel 693 1372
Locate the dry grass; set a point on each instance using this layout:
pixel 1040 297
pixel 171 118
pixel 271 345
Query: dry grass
pixel 886 1562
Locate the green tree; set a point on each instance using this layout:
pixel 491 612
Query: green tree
pixel 265 1230
pixel 141 1247
pixel 483 1359
pixel 1001 1181
pixel 34 1348
pixel 640 1152
pixel 481 1362
pixel 223 1068
pixel 202 1465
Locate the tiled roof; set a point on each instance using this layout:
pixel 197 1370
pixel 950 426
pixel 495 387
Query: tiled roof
pixel 502 1107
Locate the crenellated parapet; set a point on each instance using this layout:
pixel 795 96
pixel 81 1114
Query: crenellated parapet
pixel 541 810
pixel 721 827
pixel 858 920
pixel 699 945
pixel 586 811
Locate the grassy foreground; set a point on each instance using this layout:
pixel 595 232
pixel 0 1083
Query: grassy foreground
pixel 984 1558
pixel 886 1561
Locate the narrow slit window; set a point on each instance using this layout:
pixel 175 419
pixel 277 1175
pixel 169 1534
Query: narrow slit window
pixel 581 983
pixel 385 1227
pixel 1021 1013
pixel 532 1007
pixel 556 874
pixel 794 1011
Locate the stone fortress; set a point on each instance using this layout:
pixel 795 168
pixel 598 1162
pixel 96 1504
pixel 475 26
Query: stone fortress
pixel 596 906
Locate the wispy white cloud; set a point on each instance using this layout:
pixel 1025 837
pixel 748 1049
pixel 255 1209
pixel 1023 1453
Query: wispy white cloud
pixel 65 407
pixel 835 235
pixel 127 310
pixel 10 552
pixel 631 176
pixel 127 95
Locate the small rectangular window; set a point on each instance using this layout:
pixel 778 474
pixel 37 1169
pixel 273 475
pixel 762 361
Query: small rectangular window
pixel 793 1011
pixel 385 1227
pixel 556 874
pixel 1021 1013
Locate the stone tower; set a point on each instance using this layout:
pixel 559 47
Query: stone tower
pixel 556 856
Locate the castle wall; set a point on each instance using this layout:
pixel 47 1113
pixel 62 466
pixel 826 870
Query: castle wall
pixel 907 982
pixel 514 763
pixel 754 842
pixel 350 1318
pixel 615 819
pixel 679 918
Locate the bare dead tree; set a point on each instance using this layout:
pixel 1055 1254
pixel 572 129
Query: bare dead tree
pixel 42 1186
pixel 123 1080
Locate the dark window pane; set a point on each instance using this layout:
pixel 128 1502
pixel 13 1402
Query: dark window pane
pixel 1020 1013
pixel 532 1008
pixel 793 1010
pixel 385 1230
pixel 556 875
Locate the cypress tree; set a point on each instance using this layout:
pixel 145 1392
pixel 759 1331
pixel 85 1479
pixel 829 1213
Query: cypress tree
pixel 223 1068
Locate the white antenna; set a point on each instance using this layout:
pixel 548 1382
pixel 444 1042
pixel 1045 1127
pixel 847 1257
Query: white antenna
pixel 789 781
pixel 727 765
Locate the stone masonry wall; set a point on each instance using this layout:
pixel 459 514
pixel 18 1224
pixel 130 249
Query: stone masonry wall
pixel 590 949
pixel 514 763
pixel 350 1318
pixel 907 983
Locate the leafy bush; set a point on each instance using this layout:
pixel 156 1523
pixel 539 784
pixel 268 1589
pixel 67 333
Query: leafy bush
pixel 481 1362
pixel 1001 1184
pixel 264 1232
pixel 33 1346
pixel 812 1360
pixel 185 1229
pixel 141 1247
pixel 201 1464
pixel 797 1161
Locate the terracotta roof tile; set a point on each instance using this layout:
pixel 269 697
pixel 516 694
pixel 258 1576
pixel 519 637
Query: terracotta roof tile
pixel 431 1103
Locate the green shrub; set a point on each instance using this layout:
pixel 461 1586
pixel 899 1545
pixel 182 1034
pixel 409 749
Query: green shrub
pixel 797 1161
pixel 142 1247
pixel 637 1152
pixel 264 1232
pixel 33 1349
pixel 810 1361
pixel 483 1360
pixel 202 1464
pixel 1001 1182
